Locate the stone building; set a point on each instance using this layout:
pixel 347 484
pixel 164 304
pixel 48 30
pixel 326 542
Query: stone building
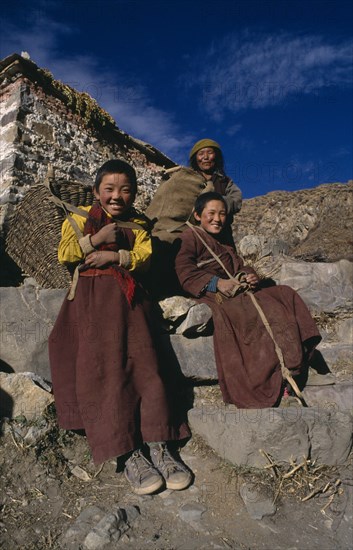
pixel 43 121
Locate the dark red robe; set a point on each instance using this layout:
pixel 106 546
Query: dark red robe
pixel 249 370
pixel 104 366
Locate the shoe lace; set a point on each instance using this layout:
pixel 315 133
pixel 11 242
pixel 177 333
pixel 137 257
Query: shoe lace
pixel 140 464
pixel 169 463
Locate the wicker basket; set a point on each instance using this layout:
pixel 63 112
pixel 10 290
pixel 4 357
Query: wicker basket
pixel 35 230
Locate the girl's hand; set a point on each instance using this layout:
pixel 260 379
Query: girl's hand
pixel 106 235
pixel 225 286
pixel 102 258
pixel 252 279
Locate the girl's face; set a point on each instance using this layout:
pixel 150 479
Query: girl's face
pixel 115 193
pixel 206 159
pixel 213 217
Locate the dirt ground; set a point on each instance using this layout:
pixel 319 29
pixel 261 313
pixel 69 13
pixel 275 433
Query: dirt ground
pixel 46 483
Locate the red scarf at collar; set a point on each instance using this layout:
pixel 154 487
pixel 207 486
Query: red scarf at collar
pixel 98 218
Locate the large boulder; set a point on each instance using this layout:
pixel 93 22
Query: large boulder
pixel 237 435
pixel 325 287
pixel 28 314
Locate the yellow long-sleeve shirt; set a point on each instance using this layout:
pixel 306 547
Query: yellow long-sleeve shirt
pixel 70 251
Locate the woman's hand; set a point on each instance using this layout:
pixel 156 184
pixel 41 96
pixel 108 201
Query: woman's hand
pixel 226 286
pixel 102 258
pixel 106 235
pixel 252 280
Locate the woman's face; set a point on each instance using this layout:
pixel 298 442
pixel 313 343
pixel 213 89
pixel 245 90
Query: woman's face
pixel 206 160
pixel 213 217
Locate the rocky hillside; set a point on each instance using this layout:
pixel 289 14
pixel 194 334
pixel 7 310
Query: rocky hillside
pixel 315 224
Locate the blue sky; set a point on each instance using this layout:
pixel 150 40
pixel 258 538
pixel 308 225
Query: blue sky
pixel 271 81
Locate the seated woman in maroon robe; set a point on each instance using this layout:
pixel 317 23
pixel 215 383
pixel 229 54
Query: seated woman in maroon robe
pixel 248 365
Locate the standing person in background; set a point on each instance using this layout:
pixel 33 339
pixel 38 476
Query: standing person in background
pixel 173 203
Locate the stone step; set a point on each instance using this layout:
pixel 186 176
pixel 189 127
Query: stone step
pixel 287 434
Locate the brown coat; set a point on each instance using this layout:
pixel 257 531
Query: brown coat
pixel 249 371
pixel 174 200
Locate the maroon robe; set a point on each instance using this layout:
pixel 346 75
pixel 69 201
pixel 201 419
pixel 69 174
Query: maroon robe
pixel 249 370
pixel 104 366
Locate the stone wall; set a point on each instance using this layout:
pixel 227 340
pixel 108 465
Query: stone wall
pixel 43 121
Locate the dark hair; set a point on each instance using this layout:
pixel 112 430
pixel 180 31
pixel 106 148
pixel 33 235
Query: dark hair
pixel 116 166
pixel 219 161
pixel 205 198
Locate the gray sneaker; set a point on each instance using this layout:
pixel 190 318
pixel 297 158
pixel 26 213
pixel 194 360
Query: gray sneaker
pixel 176 475
pixel 141 475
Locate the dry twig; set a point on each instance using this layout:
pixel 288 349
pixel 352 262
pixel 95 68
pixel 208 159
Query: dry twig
pixel 312 494
pixel 304 480
pixel 18 445
pixel 323 510
pixel 96 474
pixel 272 465
pixel 293 470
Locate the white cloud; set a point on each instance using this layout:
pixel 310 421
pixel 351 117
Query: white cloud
pixel 316 172
pixel 259 71
pixel 124 97
pixel 234 129
pixel 39 39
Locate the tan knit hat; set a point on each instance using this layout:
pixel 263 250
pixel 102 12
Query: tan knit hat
pixel 203 143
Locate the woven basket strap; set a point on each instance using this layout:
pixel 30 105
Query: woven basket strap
pixel 286 374
pixel 67 207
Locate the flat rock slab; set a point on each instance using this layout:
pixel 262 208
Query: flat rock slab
pixel 237 435
pixel 323 286
pixel 28 314
pixel 335 353
pixel 193 357
pixel 335 397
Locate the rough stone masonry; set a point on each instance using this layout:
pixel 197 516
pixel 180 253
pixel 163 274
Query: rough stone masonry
pixel 43 121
